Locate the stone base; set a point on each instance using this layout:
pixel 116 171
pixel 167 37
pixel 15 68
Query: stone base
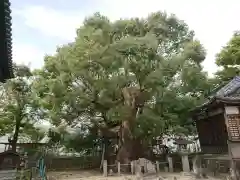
pixel 186 174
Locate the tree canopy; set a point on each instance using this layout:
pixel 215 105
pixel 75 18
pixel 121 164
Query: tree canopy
pixel 81 84
pixel 81 87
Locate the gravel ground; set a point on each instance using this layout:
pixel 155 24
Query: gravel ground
pixel 93 175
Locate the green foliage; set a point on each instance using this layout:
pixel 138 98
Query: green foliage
pixel 229 60
pixel 15 105
pixel 81 84
pixel 230 54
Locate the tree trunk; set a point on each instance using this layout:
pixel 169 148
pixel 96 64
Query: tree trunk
pixel 15 136
pixel 126 152
pixel 14 145
pixel 103 154
pixel 125 143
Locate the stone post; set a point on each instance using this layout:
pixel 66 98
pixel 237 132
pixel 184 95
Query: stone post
pixel 25 160
pixel 105 171
pixel 170 163
pixel 138 169
pixel 145 166
pixel 194 163
pixel 133 167
pixel 157 165
pixel 234 174
pixel 211 167
pixel 197 166
pixel 185 162
pixel 119 168
pixel 166 169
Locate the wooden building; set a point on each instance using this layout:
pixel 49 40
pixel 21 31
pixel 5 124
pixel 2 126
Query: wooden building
pixel 218 121
pixel 9 160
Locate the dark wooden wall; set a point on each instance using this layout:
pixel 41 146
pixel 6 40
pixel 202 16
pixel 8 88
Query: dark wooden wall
pixel 213 134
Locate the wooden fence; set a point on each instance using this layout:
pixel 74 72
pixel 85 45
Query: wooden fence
pixel 92 162
pixel 72 163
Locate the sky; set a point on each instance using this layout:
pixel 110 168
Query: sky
pixel 39 26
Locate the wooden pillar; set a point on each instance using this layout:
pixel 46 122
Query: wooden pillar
pixel 231 110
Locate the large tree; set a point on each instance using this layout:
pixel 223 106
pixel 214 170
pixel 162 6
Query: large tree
pixel 142 75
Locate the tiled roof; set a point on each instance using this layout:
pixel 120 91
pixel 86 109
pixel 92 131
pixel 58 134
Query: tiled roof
pixel 226 94
pixel 229 88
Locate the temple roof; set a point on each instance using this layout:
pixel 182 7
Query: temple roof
pixel 228 94
pixel 230 88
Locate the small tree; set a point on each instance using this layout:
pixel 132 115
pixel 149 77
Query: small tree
pixel 15 109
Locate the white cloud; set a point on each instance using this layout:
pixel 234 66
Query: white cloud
pixel 51 22
pixel 27 54
pixel 213 22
